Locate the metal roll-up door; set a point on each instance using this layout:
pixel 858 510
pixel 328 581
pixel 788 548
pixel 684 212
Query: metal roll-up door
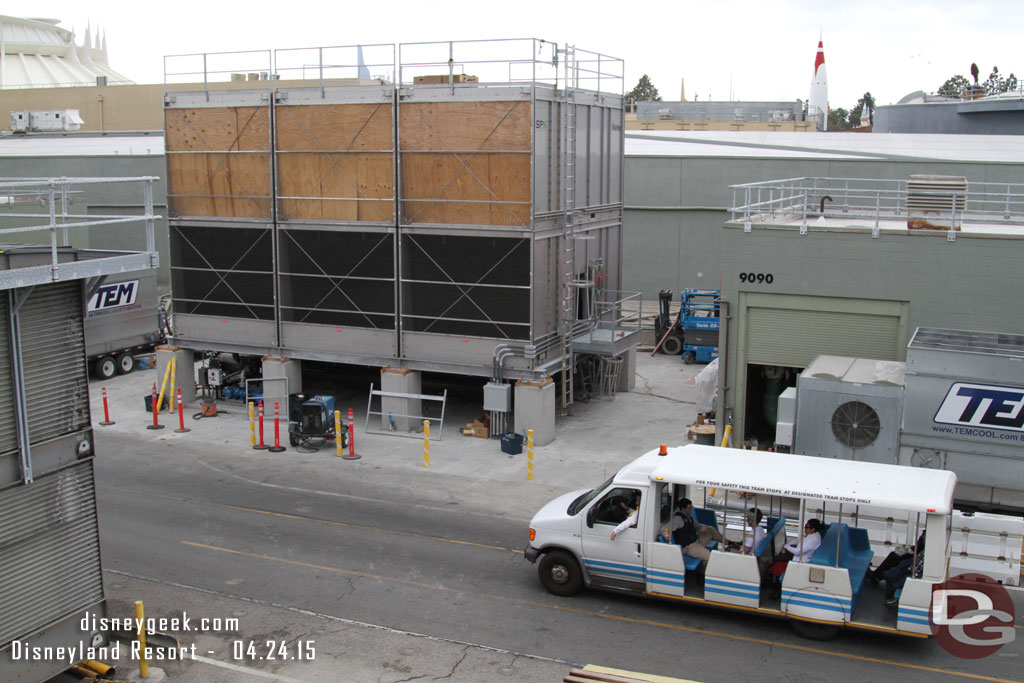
pixel 49 550
pixel 793 337
pixel 53 360
pixel 8 426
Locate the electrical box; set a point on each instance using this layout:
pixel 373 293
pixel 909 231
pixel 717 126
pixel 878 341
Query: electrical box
pixel 498 397
pixel 213 377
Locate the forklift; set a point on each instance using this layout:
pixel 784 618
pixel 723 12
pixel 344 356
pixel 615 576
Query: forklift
pixel 694 332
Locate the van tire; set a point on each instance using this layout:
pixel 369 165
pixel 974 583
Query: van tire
pixel 812 630
pixel 560 573
pixel 105 367
pixel 125 363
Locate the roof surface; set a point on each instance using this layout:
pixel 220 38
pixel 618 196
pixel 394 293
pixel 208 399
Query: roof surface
pixel 82 144
pixel 791 145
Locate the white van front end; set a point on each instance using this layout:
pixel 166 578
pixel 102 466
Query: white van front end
pixel 553 526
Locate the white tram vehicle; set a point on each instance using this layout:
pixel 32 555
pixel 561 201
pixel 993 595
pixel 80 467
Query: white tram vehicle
pixel 570 537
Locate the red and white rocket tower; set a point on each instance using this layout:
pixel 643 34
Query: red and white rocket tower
pixel 818 102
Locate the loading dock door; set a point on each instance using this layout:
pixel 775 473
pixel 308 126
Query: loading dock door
pixel 795 329
pixel 789 331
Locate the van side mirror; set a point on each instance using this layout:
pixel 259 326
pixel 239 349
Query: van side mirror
pixel 591 515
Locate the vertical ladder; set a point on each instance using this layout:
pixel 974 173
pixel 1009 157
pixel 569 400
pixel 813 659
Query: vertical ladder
pixel 568 275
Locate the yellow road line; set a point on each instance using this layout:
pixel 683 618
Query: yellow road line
pixel 602 615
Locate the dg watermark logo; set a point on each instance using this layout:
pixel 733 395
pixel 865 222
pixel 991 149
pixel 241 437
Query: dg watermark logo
pixel 972 616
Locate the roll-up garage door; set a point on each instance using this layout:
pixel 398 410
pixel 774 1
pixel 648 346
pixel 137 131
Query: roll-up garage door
pixel 49 550
pixel 53 360
pixel 791 335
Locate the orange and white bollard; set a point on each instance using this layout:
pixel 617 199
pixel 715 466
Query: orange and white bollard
pixel 260 446
pixel 351 438
pixel 277 447
pixel 181 416
pixel 106 411
pixel 156 412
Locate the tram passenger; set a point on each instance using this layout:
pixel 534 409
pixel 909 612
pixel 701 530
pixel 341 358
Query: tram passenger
pixel 797 551
pixel 755 534
pixel 692 535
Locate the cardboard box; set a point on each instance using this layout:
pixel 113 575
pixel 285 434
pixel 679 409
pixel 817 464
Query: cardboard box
pixel 480 427
pixel 442 79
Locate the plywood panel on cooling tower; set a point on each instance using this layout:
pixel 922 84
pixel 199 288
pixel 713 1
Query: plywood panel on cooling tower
pixel 334 160
pixel 466 162
pixel 218 161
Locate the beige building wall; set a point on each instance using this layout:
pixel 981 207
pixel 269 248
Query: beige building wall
pixel 103 108
pixel 131 106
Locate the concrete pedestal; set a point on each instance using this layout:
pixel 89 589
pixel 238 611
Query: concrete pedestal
pixel 627 372
pixel 281 376
pixel 535 409
pixel 404 412
pixel 185 375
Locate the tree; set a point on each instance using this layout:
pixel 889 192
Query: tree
pixel 644 91
pixel 955 86
pixel 838 119
pixel 997 84
pixel 958 86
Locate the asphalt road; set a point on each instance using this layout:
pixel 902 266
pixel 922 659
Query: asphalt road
pixel 438 554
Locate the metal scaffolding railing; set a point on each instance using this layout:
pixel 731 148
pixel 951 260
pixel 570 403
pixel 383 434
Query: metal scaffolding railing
pixel 55 195
pixel 876 200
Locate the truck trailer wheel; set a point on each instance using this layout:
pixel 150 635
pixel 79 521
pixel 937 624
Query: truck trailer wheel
pixel 105 367
pixel 672 345
pixel 560 573
pixel 125 363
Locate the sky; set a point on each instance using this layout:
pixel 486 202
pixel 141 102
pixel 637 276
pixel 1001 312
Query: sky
pixel 723 49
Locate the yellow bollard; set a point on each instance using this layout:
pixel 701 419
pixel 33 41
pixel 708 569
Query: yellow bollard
pixel 163 387
pixel 337 434
pixel 529 454
pixel 174 381
pixel 252 424
pixel 728 433
pixel 140 619
pixel 426 443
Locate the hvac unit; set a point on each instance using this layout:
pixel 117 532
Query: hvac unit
pixel 936 202
pixel 850 408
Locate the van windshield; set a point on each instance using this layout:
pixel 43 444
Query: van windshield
pixel 582 501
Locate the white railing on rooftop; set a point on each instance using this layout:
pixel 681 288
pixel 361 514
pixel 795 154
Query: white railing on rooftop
pixel 490 62
pixel 811 197
pixel 55 197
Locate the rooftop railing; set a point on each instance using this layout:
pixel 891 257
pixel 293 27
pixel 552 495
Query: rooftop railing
pixel 878 200
pixel 57 218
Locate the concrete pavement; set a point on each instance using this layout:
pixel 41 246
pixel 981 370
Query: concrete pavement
pixel 597 439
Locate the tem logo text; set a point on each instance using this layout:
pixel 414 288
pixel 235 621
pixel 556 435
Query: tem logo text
pixel 983 405
pixel 114 295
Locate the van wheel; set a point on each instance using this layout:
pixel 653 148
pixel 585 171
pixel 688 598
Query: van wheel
pixel 672 345
pixel 105 368
pixel 560 573
pixel 812 630
pixel 125 363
